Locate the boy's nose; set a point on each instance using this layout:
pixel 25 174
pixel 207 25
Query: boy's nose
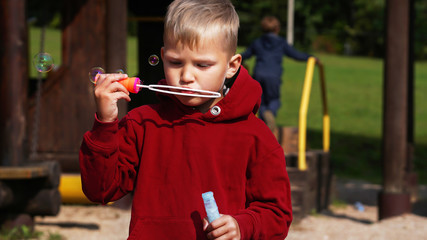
pixel 186 75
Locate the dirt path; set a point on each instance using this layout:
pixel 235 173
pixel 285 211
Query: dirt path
pixel 341 222
pixel 348 224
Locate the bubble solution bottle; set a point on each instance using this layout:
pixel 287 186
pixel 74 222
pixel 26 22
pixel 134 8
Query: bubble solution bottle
pixel 210 206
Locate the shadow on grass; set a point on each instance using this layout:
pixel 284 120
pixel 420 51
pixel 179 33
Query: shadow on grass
pixel 356 161
pixel 359 157
pixel 420 208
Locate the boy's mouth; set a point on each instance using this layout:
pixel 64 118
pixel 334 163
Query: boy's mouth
pixel 189 91
pixel 184 91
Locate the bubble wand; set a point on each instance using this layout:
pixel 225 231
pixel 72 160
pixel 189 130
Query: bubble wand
pixel 134 85
pixel 210 206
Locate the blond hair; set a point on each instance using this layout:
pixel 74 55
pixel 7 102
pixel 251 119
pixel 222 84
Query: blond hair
pixel 191 21
pixel 270 24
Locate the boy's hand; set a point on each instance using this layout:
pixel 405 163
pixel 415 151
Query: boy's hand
pixel 223 228
pixel 107 92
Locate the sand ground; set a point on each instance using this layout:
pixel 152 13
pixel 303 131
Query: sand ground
pixel 340 222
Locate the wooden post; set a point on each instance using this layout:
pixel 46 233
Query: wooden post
pixel 13 81
pixel 393 200
pixel 116 41
pixel 93 35
pixel 67 103
pixel 411 177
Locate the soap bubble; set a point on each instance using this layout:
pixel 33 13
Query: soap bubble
pixel 43 62
pixel 153 60
pixel 95 71
pixel 121 71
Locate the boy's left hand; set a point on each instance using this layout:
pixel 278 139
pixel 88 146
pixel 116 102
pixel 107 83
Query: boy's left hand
pixel 223 228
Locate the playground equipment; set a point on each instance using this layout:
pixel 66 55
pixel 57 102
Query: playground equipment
pixel 305 99
pixel 27 191
pixel 70 187
pixel 309 170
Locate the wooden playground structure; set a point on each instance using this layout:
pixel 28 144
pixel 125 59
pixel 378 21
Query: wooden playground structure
pixel 309 170
pixel 30 181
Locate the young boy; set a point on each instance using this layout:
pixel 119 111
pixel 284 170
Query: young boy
pixel 269 50
pixel 168 154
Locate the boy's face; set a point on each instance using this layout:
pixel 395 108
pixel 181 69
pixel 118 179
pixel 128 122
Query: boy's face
pixel 204 67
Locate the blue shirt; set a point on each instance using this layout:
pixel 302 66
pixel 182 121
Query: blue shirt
pixel 269 50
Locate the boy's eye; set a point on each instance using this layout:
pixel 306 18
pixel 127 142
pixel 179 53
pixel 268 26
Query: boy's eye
pixel 203 65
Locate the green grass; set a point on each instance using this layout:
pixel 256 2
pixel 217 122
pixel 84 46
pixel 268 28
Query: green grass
pixel 24 232
pixel 53 47
pixel 354 90
pixel 354 103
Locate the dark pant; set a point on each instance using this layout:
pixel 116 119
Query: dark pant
pixel 270 99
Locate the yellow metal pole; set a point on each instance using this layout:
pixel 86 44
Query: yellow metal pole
pixel 326 133
pixel 302 129
pixel 326 119
pixel 71 191
pixel 305 99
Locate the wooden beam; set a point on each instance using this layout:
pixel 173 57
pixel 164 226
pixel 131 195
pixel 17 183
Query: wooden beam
pixel 395 118
pixel 30 189
pixel 13 81
pixel 22 172
pixel 28 196
pixel 395 95
pixel 48 170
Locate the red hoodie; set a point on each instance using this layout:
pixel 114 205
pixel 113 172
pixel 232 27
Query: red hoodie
pixel 168 154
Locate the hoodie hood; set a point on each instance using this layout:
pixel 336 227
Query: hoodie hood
pixel 270 40
pixel 242 99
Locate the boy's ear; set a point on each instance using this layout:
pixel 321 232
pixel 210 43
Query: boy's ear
pixel 161 52
pixel 234 65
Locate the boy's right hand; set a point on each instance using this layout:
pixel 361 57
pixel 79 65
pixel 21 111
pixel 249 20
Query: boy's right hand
pixel 225 228
pixel 107 92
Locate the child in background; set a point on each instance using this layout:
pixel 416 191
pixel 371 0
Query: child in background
pixel 269 50
pixel 169 153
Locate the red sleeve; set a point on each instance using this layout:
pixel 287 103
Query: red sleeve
pixel 108 160
pixel 268 195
